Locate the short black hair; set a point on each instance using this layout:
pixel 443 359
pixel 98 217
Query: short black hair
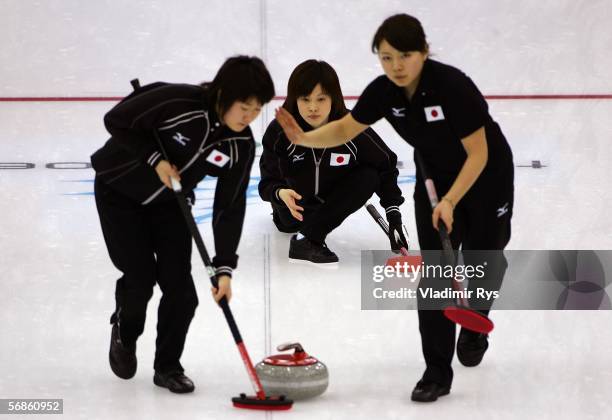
pixel 240 78
pixel 403 32
pixel 305 77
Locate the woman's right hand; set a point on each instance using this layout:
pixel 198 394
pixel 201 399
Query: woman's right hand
pixel 292 130
pixel 165 170
pixel 224 283
pixel 444 210
pixel 288 197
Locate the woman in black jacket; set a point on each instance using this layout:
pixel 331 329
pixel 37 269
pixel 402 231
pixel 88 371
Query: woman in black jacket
pixel 440 111
pixel 312 191
pixel 205 131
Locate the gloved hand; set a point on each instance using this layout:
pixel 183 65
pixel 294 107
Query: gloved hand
pixel 397 231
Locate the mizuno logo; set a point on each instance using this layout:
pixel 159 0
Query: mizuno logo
pixel 502 210
pixel 398 112
pixel 182 140
pixel 297 158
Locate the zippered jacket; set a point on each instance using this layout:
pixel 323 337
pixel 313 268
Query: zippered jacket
pixel 196 143
pixel 314 172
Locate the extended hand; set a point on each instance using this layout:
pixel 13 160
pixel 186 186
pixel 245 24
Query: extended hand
pixel 288 197
pixel 292 130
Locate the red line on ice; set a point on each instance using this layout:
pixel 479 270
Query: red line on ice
pixel 281 98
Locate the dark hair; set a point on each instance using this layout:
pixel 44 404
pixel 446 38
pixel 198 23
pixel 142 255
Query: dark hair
pixel 240 78
pixel 303 80
pixel 403 32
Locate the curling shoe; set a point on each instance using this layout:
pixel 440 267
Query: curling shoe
pixel 306 250
pixel 175 381
pixel 122 358
pixel 471 347
pixel 426 391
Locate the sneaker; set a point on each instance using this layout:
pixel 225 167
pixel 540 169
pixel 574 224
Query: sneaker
pixel 471 347
pixel 176 382
pixel 306 250
pixel 122 358
pixel 426 391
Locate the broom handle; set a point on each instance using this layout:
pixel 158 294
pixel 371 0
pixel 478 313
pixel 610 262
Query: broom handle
pixel 447 246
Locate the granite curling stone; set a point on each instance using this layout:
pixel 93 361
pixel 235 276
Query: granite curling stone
pixel 298 376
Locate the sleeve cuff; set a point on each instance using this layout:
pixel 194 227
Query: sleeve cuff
pixel 278 200
pixel 275 196
pixel 392 209
pixel 154 159
pixel 393 214
pixel 224 269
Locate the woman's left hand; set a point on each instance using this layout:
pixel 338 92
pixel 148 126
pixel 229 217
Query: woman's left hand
pixel 444 210
pixel 224 289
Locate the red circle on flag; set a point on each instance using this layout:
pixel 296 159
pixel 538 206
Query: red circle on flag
pixel 434 113
pixel 340 159
pixel 218 158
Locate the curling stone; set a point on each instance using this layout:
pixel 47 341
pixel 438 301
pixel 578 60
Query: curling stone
pixel 298 375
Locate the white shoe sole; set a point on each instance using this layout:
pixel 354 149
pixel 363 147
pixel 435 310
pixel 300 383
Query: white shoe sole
pixel 332 265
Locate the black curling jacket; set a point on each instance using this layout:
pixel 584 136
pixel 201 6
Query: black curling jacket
pixel 313 172
pixel 196 142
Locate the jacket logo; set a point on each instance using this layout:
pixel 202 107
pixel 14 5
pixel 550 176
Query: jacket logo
pixel 182 140
pixel 398 112
pixel 297 158
pixel 339 159
pixel 217 158
pixel 502 210
pixel 434 113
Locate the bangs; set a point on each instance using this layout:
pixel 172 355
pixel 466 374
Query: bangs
pixel 305 77
pixel 241 78
pixel 403 32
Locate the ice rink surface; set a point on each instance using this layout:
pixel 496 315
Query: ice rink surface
pixel 58 282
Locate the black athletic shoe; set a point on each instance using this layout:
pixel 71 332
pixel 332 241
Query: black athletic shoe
pixel 471 347
pixel 122 358
pixel 426 391
pixel 175 381
pixel 306 250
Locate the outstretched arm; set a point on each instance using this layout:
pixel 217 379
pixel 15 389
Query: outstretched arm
pixel 333 134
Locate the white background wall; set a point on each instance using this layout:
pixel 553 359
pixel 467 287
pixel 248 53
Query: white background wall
pixel 78 48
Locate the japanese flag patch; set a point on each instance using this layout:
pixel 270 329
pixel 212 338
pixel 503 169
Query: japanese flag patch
pixel 339 159
pixel 434 113
pixel 217 158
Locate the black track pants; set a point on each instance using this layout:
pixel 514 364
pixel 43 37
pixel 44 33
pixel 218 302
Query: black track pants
pixel 149 244
pixel 323 216
pixel 481 222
